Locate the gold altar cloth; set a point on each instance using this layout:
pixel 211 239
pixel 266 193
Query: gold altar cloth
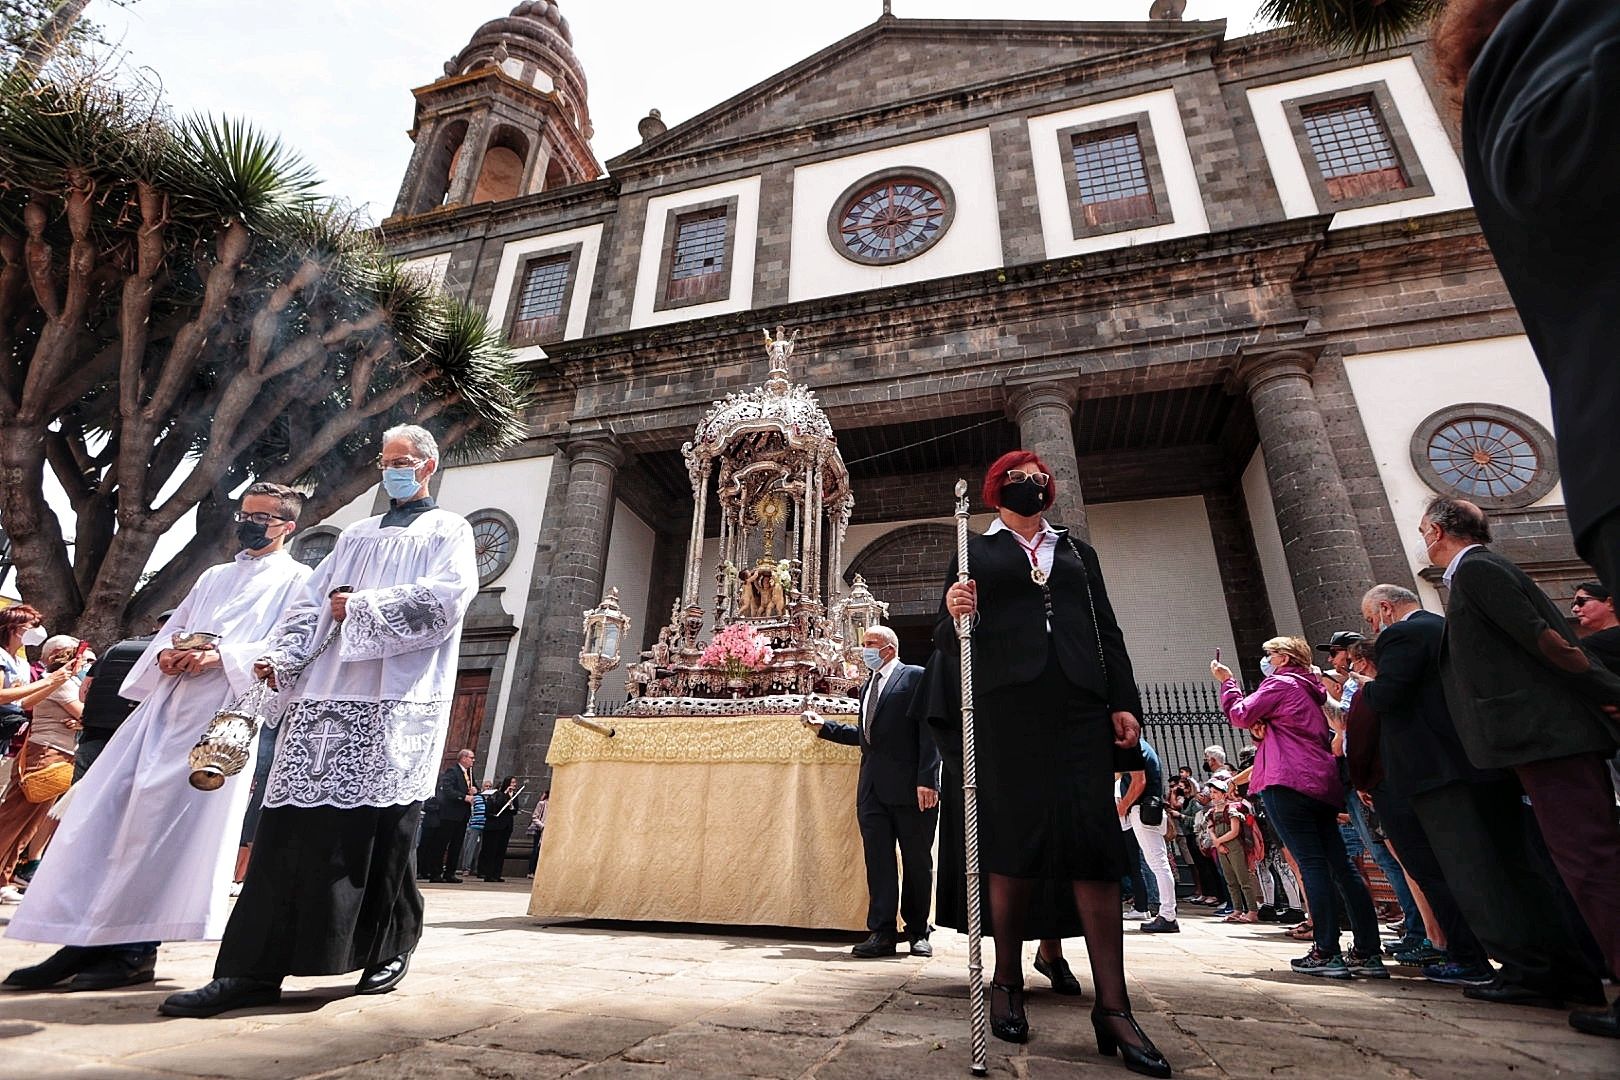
pixel 746 820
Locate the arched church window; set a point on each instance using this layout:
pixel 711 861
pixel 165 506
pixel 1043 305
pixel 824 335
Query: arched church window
pixel 1496 457
pixel 891 216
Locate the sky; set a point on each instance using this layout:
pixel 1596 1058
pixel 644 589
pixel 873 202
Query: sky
pixel 333 78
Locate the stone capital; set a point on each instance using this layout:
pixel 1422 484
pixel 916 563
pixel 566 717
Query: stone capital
pixel 1254 369
pixel 598 448
pixel 1028 397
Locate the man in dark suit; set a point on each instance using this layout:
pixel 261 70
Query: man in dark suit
pixel 1460 831
pixel 440 849
pixel 896 797
pixel 1526 697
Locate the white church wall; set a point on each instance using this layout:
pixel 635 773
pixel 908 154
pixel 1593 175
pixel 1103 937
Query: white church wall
pixel 972 242
pixel 629 569
pixel 643 311
pixel 1269 545
pixel 1052 161
pixel 1396 391
pixel 1417 114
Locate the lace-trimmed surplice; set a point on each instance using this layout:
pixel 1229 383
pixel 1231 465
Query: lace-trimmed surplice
pixel 365 724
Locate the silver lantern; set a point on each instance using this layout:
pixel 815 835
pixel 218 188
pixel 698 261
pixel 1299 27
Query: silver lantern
pixel 605 630
pixel 855 614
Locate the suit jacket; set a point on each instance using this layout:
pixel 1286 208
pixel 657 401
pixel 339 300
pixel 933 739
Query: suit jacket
pixel 1010 642
pixel 1417 737
pixel 1539 149
pixel 452 795
pixel 900 756
pixel 1518 695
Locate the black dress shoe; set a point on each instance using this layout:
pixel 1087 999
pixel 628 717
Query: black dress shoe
pixel 921 947
pixel 1606 1022
pixel 120 967
pixel 384 976
pixel 1143 1057
pixel 64 963
pixel 879 944
pixel 221 995
pixel 1063 980
pixel 451 880
pixel 1511 993
pixel 1008 1023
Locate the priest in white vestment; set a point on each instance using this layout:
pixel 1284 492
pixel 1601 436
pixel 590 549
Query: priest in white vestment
pixel 366 664
pixel 141 856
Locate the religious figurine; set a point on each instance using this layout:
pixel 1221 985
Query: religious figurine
pixel 761 595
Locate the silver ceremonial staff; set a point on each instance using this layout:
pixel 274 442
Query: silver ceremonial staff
pixel 970 802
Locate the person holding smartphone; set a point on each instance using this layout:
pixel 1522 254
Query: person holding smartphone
pixel 53 734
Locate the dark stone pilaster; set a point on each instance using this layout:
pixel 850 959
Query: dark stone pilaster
pixel 557 681
pixel 1327 558
pixel 1044 413
pixel 1242 580
pixel 665 581
pixel 522 747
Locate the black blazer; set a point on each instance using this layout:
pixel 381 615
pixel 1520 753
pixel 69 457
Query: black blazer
pixel 452 795
pixel 495 820
pixel 1010 639
pixel 902 756
pixel 1543 164
pixel 1418 739
pixel 1520 687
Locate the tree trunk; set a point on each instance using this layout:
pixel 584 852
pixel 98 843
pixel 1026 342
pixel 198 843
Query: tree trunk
pixel 52 32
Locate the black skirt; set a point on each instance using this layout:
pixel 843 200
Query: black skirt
pixel 328 891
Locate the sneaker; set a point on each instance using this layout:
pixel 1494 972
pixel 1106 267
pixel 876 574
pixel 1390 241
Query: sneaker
pixel 25 872
pixel 1161 925
pixel 1370 966
pixel 1326 967
pixel 1424 955
pixel 1224 909
pixel 1136 916
pixel 236 888
pixel 11 895
pixel 1290 915
pixel 1267 913
pixel 1454 974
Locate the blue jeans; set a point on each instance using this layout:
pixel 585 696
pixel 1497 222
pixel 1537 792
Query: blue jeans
pixel 1412 931
pixel 1310 828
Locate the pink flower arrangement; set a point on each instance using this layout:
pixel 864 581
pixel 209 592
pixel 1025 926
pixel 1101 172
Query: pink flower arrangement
pixel 737 649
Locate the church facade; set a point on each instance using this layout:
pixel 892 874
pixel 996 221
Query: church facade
pixel 1232 291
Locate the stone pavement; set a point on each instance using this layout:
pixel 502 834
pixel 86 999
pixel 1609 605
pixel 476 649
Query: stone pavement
pixel 493 994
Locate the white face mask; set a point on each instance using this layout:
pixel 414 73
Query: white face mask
pixel 872 658
pixel 1267 668
pixel 35 636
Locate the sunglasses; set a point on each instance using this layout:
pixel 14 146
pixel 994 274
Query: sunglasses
pixel 1582 601
pixel 1018 476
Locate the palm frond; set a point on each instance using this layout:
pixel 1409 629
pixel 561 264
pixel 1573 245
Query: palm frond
pixel 228 168
pixel 1352 26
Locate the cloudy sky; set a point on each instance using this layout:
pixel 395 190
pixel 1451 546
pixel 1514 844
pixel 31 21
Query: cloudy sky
pixel 333 77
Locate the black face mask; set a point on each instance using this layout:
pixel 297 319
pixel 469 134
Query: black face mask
pixel 1208 768
pixel 1023 498
pixel 251 535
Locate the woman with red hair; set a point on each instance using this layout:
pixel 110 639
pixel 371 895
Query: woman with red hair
pixel 1057 714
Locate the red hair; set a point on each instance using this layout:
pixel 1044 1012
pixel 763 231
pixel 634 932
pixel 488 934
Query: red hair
pixel 1459 35
pixel 996 478
pixel 16 616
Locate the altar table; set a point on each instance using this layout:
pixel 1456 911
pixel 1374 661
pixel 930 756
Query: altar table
pixel 745 820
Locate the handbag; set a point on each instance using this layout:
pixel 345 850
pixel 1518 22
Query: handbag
pixel 1151 811
pixel 46 782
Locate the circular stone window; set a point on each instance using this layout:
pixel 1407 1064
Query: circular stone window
pixel 891 216
pixel 494 542
pixel 311 548
pixel 1496 457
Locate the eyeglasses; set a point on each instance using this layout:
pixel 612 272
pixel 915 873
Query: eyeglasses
pixel 1018 476
pixel 258 519
pixel 1582 601
pixel 400 463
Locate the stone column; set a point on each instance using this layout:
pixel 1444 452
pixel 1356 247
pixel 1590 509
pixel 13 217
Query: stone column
pixel 469 163
pixel 1327 557
pixel 557 684
pixel 1044 413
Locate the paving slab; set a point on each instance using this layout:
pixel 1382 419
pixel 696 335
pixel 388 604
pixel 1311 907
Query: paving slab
pixel 493 994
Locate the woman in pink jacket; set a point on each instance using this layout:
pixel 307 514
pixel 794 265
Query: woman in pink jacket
pixel 1297 780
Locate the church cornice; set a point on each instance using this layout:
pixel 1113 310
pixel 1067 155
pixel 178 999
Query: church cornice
pixel 600 194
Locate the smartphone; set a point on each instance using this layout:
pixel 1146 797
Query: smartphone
pixel 1217 656
pixel 84 647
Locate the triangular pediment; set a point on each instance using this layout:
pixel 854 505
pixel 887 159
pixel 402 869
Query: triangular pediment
pixel 896 61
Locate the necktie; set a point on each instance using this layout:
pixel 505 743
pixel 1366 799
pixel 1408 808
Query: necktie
pixel 874 690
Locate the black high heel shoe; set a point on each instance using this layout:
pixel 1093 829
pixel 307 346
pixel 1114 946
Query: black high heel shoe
pixel 1144 1059
pixel 1063 980
pixel 1014 1026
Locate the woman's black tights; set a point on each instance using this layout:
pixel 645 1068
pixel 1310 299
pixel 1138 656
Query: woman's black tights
pixel 1100 916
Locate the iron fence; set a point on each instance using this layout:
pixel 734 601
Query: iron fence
pixel 1181 719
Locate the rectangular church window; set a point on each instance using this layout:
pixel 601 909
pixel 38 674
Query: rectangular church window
pixel 1354 152
pixel 1111 176
pixel 541 299
pixel 698 266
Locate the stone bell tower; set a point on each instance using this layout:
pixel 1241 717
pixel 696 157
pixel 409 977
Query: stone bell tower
pixel 508 118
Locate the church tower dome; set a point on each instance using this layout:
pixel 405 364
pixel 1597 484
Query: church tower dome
pixel 508 118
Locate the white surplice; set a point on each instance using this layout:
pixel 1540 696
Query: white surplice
pixel 365 723
pixel 141 855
